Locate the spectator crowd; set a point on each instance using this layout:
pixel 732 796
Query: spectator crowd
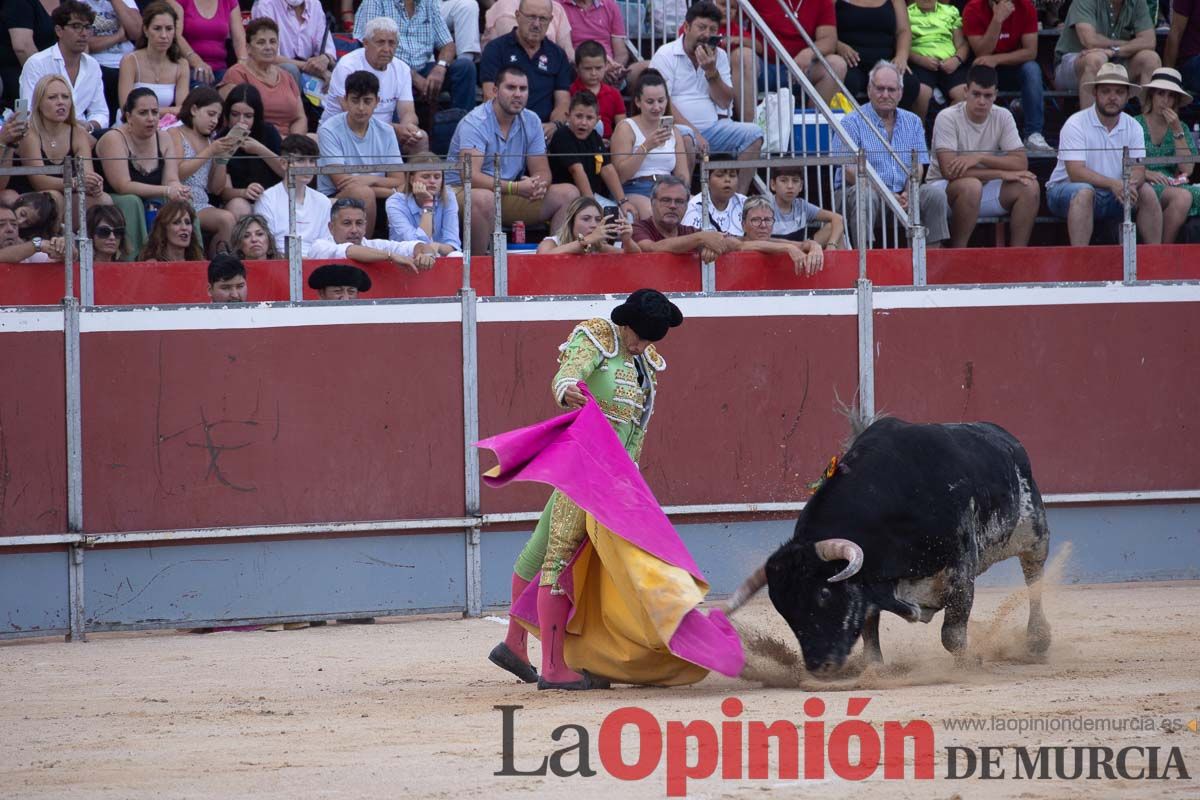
pixel 187 116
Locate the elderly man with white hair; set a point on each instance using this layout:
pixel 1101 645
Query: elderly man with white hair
pixel 427 46
pixel 869 128
pixel 377 56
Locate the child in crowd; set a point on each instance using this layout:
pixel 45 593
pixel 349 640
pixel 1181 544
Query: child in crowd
pixel 725 212
pixel 590 64
pixel 312 207
pixel 939 50
pixel 579 157
pixel 427 211
pixel 793 214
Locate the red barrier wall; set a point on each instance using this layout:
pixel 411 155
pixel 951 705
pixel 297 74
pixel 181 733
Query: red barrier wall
pixel 205 428
pixel 151 283
pixel 33 439
pixel 1102 396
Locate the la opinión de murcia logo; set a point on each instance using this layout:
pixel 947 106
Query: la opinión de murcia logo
pixel 742 749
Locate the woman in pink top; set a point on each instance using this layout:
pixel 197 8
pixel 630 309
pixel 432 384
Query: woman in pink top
pixel 206 26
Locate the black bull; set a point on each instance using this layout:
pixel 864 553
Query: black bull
pixel 916 512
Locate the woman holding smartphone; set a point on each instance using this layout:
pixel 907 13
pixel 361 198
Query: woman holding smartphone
pixel 203 161
pixel 646 145
pixel 256 165
pixel 588 229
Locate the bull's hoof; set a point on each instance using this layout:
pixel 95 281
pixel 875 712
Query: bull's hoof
pixel 1037 639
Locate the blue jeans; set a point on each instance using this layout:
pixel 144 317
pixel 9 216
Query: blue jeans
pixel 1105 204
pixel 460 81
pixel 1029 77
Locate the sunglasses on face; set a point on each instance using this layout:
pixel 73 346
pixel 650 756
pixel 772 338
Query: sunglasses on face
pixel 103 232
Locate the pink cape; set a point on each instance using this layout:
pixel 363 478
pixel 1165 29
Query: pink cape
pixel 579 454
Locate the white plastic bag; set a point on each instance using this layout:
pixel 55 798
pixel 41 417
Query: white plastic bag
pixel 774 116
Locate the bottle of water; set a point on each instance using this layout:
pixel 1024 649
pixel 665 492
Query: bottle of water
pixel 518 232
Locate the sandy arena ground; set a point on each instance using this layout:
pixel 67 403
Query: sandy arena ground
pixel 404 708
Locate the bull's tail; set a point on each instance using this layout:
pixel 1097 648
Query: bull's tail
pixel 858 421
pixel 751 587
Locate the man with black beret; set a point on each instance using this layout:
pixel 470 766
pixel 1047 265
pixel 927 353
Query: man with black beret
pixel 339 282
pixel 617 359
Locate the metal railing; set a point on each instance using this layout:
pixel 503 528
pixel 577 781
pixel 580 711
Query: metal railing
pixel 1128 226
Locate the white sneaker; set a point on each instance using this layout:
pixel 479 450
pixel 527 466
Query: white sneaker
pixel 1035 141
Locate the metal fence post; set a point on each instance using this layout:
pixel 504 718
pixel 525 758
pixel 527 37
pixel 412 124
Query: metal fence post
pixel 87 284
pixel 708 269
pixel 294 252
pixel 465 175
pixel 1128 229
pixel 866 349
pixel 860 223
pixel 470 355
pixel 914 215
pixel 74 432
pixel 68 168
pixel 499 243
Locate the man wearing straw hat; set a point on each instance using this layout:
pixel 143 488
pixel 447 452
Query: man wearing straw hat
pixel 1087 181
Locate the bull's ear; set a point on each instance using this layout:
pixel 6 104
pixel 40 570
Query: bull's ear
pixel 883 597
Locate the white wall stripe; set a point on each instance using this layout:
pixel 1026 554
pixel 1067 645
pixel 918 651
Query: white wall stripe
pixel 17 321
pixel 887 298
pixel 264 316
pixel 840 303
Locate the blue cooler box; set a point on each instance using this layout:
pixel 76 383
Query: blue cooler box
pixel 813 134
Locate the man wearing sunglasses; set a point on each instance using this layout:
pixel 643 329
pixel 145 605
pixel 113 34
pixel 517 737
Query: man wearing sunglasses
pixel 69 58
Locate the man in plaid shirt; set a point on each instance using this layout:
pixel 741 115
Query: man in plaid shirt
pixel 904 133
pixel 427 47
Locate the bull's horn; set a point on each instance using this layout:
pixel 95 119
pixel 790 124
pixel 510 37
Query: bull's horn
pixel 841 550
pixel 752 585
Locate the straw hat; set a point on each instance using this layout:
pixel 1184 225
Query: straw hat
pixel 1168 80
pixel 1113 74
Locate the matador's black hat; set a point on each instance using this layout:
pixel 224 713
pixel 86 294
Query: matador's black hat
pixel 649 313
pixel 339 275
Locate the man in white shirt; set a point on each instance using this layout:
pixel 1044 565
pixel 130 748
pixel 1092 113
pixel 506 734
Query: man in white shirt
pixel 346 238
pixel 979 162
pixel 1087 184
pixel 312 207
pixel 377 56
pixel 700 84
pixel 69 58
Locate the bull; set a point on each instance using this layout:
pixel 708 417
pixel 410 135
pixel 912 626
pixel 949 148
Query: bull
pixel 904 522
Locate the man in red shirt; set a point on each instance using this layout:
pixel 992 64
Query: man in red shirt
pixel 1004 34
pixel 818 20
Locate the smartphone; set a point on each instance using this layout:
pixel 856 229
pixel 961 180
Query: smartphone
pixel 714 41
pixel 239 132
pixel 667 122
pixel 21 109
pixel 611 216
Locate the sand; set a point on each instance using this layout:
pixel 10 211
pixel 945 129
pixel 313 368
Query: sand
pixel 404 708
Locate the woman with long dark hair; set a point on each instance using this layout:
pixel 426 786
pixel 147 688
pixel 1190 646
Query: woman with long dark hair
pixel 106 227
pixel 646 145
pixel 156 64
pixel 203 163
pixel 256 165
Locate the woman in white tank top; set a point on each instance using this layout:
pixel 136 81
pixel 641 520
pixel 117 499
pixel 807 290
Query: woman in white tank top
pixel 644 147
pixel 156 64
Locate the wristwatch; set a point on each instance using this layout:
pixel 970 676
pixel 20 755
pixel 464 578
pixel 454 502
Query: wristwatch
pixel 37 244
pixel 1115 50
pixel 442 63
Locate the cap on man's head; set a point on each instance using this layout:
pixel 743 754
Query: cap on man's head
pixel 339 275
